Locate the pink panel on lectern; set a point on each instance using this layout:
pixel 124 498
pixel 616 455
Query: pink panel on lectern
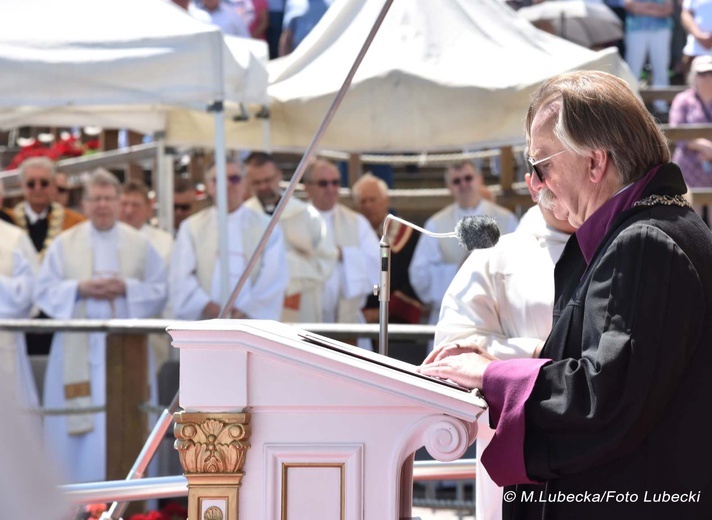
pixel 313 492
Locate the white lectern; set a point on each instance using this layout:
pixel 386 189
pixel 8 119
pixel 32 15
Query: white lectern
pixel 279 424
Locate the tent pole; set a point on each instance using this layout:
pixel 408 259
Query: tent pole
pixel 221 202
pixel 308 154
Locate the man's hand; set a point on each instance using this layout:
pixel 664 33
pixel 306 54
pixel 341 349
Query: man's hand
pixel 102 288
pixel 463 364
pixel 210 311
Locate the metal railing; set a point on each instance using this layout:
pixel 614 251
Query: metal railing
pixel 177 486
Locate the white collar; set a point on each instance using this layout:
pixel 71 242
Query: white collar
pixel 32 216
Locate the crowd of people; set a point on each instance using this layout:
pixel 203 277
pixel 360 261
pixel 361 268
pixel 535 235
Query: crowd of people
pixel 319 265
pixel 283 24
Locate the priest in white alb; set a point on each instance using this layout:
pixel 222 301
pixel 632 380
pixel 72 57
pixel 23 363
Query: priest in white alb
pixel 435 261
pixel 100 269
pixel 18 267
pixel 311 252
pixel 358 265
pixel 196 285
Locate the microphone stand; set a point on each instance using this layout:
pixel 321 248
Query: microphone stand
pixel 383 290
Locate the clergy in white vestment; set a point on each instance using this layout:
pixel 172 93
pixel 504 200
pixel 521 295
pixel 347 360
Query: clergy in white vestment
pixel 311 252
pixel 18 267
pixel 100 269
pixel 495 301
pixel 136 209
pixel 436 260
pixel 196 284
pixel 358 266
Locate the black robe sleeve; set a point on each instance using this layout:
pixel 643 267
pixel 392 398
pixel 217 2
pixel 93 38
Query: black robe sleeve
pixel 623 341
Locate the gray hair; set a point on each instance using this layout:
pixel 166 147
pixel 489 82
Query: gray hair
pixel 37 162
pixel 368 177
pixel 101 177
pixel 313 164
pixel 459 165
pixel 598 111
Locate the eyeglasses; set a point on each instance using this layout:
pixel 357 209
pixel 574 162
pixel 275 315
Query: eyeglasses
pixel 232 179
pixel 534 164
pixel 41 182
pixel 62 189
pixel 182 207
pixel 323 183
pixel 465 178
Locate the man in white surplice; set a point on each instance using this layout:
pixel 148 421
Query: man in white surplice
pixel 435 261
pixel 100 269
pixel 358 265
pixel 311 252
pixel 495 301
pixel 18 267
pixel 195 262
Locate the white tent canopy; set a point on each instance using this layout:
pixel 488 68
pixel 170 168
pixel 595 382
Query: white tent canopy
pixel 439 75
pixel 124 63
pixel 118 63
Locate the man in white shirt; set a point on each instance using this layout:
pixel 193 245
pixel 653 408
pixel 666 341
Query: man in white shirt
pixel 358 265
pixel 195 263
pixel 311 252
pixel 435 261
pixel 136 210
pixel 18 267
pixel 495 301
pixel 226 17
pixel 99 269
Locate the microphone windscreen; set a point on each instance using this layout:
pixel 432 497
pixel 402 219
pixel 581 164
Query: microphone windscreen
pixel 477 232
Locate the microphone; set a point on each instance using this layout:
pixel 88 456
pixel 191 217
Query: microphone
pixel 472 232
pixel 477 232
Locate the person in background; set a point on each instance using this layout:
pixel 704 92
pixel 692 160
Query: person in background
pixel 136 210
pixel 224 15
pixel 274 27
pixel 43 220
pixel 696 19
pixel 100 269
pixel 648 32
pixel 4 215
pixel 18 268
pixel 435 261
pixel 358 265
pixel 694 105
pixel 311 253
pixel 495 302
pixel 371 198
pixel 300 17
pixel 193 10
pixel 183 201
pixel 61 189
pixel 196 284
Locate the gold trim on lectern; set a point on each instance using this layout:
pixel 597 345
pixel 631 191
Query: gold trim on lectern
pixel 340 465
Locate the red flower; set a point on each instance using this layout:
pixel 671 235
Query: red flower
pixel 175 511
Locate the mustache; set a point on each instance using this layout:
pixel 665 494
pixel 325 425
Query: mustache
pixel 546 199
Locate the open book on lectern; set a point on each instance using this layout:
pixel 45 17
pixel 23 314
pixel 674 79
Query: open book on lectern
pixel 385 361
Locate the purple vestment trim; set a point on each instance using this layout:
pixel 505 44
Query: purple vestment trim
pixel 591 232
pixel 506 386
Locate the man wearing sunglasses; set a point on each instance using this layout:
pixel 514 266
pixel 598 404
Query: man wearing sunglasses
pixel 43 220
pixel 37 214
pixel 345 292
pixel 435 261
pixel 611 415
pixel 311 254
pixel 196 284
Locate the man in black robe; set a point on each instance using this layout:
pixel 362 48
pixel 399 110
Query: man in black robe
pixel 611 420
